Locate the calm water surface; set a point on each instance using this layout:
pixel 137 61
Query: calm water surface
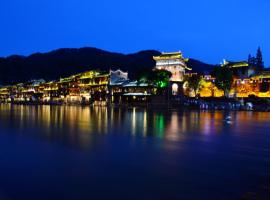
pixel 61 152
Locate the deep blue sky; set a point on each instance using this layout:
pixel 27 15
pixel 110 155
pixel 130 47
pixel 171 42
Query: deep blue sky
pixel 209 30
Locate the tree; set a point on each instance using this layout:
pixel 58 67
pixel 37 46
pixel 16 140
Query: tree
pixel 194 82
pixel 259 58
pixel 249 57
pixel 224 79
pixel 161 78
pixel 157 78
pixel 144 76
pixel 252 61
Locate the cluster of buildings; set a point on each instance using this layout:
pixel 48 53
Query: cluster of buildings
pixel 91 87
pixel 249 80
pixel 100 88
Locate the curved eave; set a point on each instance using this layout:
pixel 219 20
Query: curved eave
pixel 261 77
pixel 166 56
pixel 235 65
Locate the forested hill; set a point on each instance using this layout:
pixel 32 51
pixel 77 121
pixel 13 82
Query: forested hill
pixel 65 62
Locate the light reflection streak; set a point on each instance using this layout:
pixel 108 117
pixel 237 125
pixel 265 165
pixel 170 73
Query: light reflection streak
pixel 78 125
pixel 145 123
pixel 133 121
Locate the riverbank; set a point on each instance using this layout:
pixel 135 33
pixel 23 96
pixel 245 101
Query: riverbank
pixel 178 103
pixel 248 104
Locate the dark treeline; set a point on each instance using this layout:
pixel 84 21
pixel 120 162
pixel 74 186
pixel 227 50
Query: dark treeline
pixel 65 62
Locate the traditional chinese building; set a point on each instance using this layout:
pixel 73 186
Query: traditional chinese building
pixel 176 64
pixel 5 93
pixel 241 69
pixel 118 79
pixel 69 89
pixel 51 92
pixel 94 86
pixel 137 92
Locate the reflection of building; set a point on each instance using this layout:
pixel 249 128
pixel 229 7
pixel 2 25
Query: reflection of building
pixel 176 64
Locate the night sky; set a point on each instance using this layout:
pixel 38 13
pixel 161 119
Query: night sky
pixel 209 30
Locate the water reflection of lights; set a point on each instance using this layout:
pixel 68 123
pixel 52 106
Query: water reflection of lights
pixel 159 125
pixel 173 130
pixel 133 122
pixel 79 125
pixel 145 123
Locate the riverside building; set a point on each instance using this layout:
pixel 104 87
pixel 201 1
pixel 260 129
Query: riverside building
pixel 103 88
pixel 175 63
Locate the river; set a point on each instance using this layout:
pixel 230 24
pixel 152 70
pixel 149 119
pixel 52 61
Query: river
pixel 73 152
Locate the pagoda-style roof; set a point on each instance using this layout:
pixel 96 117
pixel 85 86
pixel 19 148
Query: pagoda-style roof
pixel 171 55
pixel 4 88
pixel 262 75
pixel 93 74
pixel 66 80
pixel 234 64
pixel 136 84
pixel 119 72
pixel 137 94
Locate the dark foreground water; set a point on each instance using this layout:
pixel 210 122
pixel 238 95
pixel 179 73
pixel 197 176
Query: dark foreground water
pixel 58 152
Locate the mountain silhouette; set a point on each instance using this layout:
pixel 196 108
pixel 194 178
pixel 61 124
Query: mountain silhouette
pixel 67 61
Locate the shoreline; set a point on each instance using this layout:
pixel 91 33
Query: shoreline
pixel 191 104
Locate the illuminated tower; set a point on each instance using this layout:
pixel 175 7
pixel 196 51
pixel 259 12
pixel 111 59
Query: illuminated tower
pixel 176 64
pixel 173 62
